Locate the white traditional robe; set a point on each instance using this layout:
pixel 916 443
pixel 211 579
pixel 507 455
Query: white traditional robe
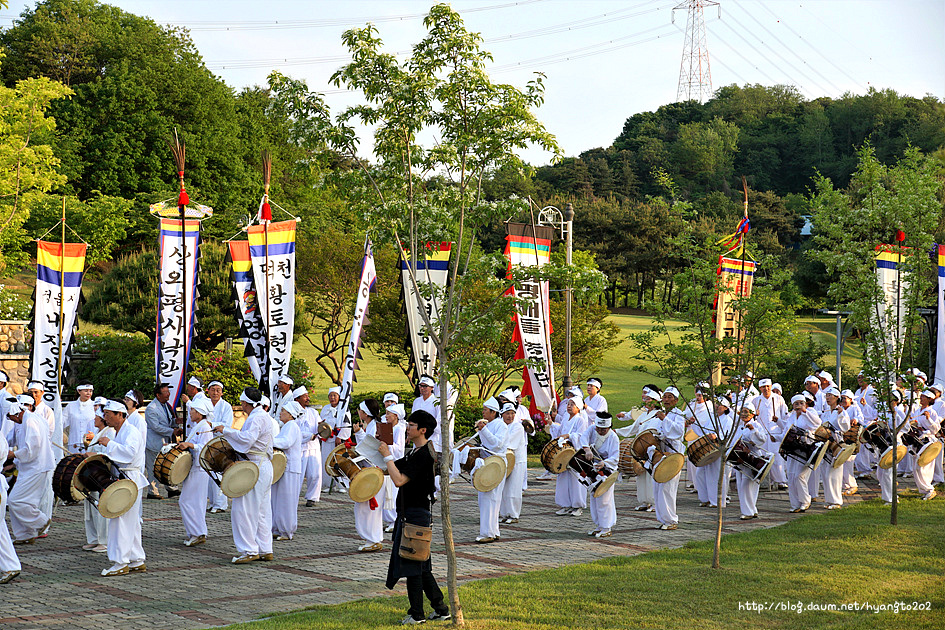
pixel 707 477
pixel 341 429
pixel 35 464
pixel 593 405
pixel 929 423
pixel 432 406
pixel 369 522
pixel 312 466
pixel 511 505
pixel 831 477
pixel 798 473
pixel 390 490
pixel 672 429
pixel 493 438
pixel 8 558
pixel 126 450
pixel 569 491
pixel 193 491
pixel 251 517
pixel 78 418
pixel 748 488
pixel 222 416
pixel 770 411
pixel 603 508
pixel 285 492
pixel 647 420
pixel 884 475
pixel 96 525
pixel 856 418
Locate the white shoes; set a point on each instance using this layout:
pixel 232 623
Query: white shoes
pixel 604 533
pixel 833 506
pixel 577 512
pixel 119 568
pixel 931 495
pixel 563 511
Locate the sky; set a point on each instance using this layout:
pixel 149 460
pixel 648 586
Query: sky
pixel 604 60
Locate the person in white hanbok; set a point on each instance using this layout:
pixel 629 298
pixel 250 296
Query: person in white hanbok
pixel 895 420
pixel 594 403
pixel 9 563
pixel 340 431
pixel 193 492
pixel 671 430
pixel 251 516
pixel 856 420
pixel 285 492
pixel 369 515
pixel 78 418
pixel 865 400
pixel 126 451
pixel 561 414
pixel 96 525
pixel 928 423
pixel 493 434
pixel 429 402
pixel 222 416
pixel 938 472
pixel 36 391
pixel 751 432
pixel 394 415
pixel 770 410
pixel 311 466
pixel 798 473
pixel 133 400
pixel 646 421
pixel 282 395
pixel 570 493
pixel 699 419
pixel 834 417
pixel 510 509
pixel 602 446
pixel 32 452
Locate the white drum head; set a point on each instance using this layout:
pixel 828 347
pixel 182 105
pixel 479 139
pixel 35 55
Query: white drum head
pixel 117 498
pixel 509 462
pixel 605 485
pixel 886 459
pixel 668 467
pixel 760 477
pixel 181 468
pixel 239 478
pixel 279 462
pixel 818 455
pixel 846 452
pixel 366 483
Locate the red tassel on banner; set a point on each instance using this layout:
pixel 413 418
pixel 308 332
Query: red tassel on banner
pixel 266 213
pixel 900 235
pixel 182 198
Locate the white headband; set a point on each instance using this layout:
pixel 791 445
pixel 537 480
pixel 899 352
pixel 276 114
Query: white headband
pixel 671 390
pixel 427 381
pixel 492 404
pixel 36 385
pixel 798 398
pixel 285 378
pixel 603 421
pixel 295 409
pixel 334 390
pixel 398 410
pixel 212 383
pixel 764 381
pixel 195 382
pixel 363 407
pixel 116 407
pixel 249 401
pixel 299 391
pixel 593 381
pixel 508 407
pixel 833 391
pixel 14 409
pixel 87 386
pixel 391 396
pixel 652 393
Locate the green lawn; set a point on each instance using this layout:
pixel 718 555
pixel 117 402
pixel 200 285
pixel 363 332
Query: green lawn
pixel 846 557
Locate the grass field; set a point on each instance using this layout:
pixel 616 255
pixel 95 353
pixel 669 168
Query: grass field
pixel 820 560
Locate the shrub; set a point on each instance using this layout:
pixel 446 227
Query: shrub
pixel 116 363
pixel 12 306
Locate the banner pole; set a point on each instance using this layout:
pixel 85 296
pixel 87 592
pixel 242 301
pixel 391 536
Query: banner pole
pixel 62 295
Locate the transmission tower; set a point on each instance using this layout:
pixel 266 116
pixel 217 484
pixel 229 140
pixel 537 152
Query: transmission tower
pixel 695 80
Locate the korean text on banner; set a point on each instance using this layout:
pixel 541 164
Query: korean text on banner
pixel 365 287
pixel 433 264
pixel 530 246
pixel 175 320
pixel 736 277
pixel 272 249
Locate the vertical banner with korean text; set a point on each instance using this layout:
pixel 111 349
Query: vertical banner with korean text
pixel 59 271
pixel 248 318
pixel 272 249
pixel 529 245
pixel 892 309
pixel 433 264
pixel 175 319
pixel 360 320
pixel 938 252
pixel 735 281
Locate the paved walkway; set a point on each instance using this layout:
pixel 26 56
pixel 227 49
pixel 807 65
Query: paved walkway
pixel 60 586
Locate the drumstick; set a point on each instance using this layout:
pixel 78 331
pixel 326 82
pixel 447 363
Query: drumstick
pixel 60 447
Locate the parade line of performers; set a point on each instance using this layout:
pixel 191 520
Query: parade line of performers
pixel 110 456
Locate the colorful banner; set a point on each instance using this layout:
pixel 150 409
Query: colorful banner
pixel 175 314
pixel 894 286
pixel 360 320
pixel 59 272
pixel 530 246
pixel 272 249
pixel 735 281
pixel 939 254
pixel 432 271
pixel 248 317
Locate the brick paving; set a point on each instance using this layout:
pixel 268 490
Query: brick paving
pixel 189 588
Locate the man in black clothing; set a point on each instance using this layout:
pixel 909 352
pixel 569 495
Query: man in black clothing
pixel 414 475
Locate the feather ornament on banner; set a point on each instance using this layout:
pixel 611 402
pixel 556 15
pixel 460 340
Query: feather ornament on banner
pixel 734 243
pixel 179 149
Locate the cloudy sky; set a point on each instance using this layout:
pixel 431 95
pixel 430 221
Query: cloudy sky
pixel 604 60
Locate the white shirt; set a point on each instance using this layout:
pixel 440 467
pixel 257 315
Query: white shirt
pixel 516 441
pixel 432 406
pixel 493 437
pixel 573 426
pixel 34 451
pixel 126 450
pixel 78 418
pixel 593 405
pixel 289 440
pixel 222 414
pixel 255 437
pixel 607 445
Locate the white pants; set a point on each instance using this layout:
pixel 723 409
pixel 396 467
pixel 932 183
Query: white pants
pixel 747 493
pixel 833 483
pixel 923 477
pixel 849 480
pixel 939 475
pixel 569 492
pixel 813 482
pixel 312 470
pixel 707 482
pixel 489 503
pixel 864 461
pixel 26 504
pixel 285 504
pixel 907 463
pixel 511 505
pixel 370 523
pixel 691 475
pixel 251 517
pixel 665 501
pixel 326 448
pixel 96 525
pixel 215 496
pixel 778 472
pixel 885 478
pixel 604 509
pixel 8 559
pixel 390 501
pixel 798 484
pixel 645 488
pixel 124 536
pixel 193 501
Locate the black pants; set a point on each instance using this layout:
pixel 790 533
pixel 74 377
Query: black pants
pixel 417 585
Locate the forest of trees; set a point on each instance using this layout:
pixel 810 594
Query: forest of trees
pixel 125 83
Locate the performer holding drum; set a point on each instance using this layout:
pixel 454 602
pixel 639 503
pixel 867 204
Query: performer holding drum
pixel 333 431
pixel 311 466
pixel 395 416
pixel 749 439
pixel 570 494
pixel 193 492
pixel 9 563
pixel 78 418
pixel 251 517
pixel 671 430
pixel 920 437
pixel 285 491
pixel 872 436
pixel 802 421
pixel 222 416
pixel 493 436
pixel 510 508
pixel 648 420
pixel 368 510
pixel 836 421
pixel 699 420
pixel 32 451
pixel 96 525
pixel 602 448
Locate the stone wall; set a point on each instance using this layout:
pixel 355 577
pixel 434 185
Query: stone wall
pixel 14 355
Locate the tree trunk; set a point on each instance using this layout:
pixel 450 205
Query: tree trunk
pixel 720 502
pixel 446 440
